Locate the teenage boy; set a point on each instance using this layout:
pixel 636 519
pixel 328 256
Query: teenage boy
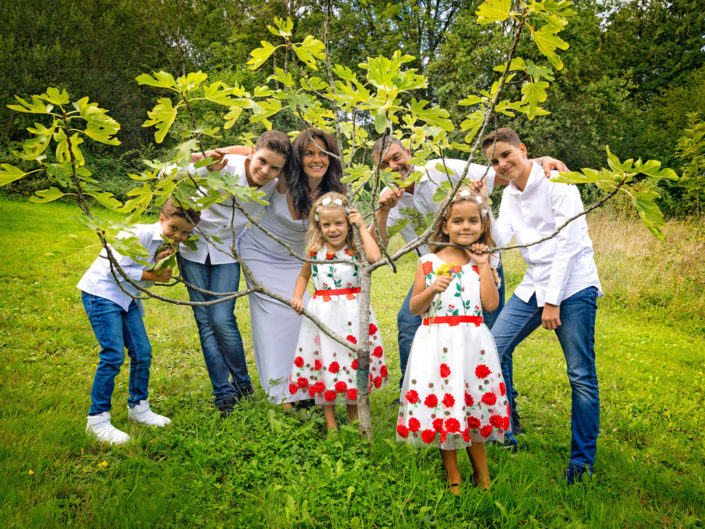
pixel 560 287
pixel 405 204
pixel 211 267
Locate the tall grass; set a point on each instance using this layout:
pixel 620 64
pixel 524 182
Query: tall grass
pixel 264 468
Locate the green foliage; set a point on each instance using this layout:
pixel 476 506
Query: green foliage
pixel 691 149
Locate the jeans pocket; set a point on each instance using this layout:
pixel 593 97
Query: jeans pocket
pixel 88 303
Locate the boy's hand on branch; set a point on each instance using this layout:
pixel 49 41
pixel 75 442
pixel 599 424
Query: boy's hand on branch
pixel 389 198
pixel 551 316
pixel 298 305
pixel 218 156
pixel 551 164
pixel 441 283
pixel 163 254
pixel 477 255
pixel 355 218
pixel 479 187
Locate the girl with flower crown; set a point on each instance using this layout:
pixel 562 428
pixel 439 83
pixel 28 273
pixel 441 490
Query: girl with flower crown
pixel 323 368
pixel 453 395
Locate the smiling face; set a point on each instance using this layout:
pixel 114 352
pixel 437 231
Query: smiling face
pixel 510 162
pixel 265 166
pixel 176 228
pixel 334 227
pixel 397 159
pixel 464 223
pixel 315 161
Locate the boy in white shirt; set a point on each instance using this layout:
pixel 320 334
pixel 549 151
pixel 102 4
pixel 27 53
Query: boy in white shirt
pixel 559 289
pixel 211 267
pixel 116 318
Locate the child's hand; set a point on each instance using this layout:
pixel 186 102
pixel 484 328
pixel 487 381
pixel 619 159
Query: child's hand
pixel 441 283
pixel 389 198
pixel 479 187
pixel 477 255
pixel 355 218
pixel 298 305
pixel 163 254
pixel 218 157
pixel 163 276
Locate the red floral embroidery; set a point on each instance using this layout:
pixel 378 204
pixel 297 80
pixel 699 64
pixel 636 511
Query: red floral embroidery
pixel 293 388
pixel 329 395
pixel 509 410
pixel 497 422
pixel 489 398
pixel 378 381
pixel 445 370
pixel 311 391
pixel 412 397
pixel 341 387
pixel 438 424
pixel 302 382
pixel 350 338
pixel 455 269
pixel 330 255
pixel 403 431
pixel 482 371
pixel 312 253
pixel 506 424
pixel 469 401
pixel 349 252
pixel 448 400
pixel 414 424
pixel 373 329
pixel 466 435
pixel 443 437
pixel 334 367
pixel 377 353
pixel 502 388
pixel 473 423
pixel 353 365
pixel 298 361
pixel 475 269
pixel 452 425
pixel 431 401
pixel 486 431
pixel 318 387
pixel 352 394
pixel 317 365
pixel 383 371
pixel 427 267
pixel 428 436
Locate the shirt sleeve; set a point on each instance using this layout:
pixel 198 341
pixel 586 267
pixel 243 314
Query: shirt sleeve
pixel 565 204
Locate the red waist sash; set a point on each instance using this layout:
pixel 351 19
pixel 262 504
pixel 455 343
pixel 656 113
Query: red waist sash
pixel 453 320
pixel 336 292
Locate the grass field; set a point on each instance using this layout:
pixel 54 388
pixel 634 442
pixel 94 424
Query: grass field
pixel 262 468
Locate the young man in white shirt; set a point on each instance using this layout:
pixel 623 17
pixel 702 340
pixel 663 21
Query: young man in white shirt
pixel 559 289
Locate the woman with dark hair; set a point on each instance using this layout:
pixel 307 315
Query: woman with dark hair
pixel 314 168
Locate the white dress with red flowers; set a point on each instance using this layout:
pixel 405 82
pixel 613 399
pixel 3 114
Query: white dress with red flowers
pixel 322 367
pixel 453 392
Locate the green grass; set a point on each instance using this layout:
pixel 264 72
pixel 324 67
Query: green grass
pixel 262 468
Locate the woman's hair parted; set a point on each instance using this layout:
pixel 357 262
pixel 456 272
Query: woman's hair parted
pixel 465 194
pixel 296 178
pixel 330 200
pixel 170 209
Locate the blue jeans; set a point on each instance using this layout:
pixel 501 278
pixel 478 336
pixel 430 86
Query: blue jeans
pixel 577 338
pixel 217 327
pixel 407 323
pixel 115 330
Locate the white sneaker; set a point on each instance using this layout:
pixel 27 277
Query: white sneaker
pixel 101 427
pixel 142 414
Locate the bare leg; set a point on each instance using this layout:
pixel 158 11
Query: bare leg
pixel 478 458
pixel 352 412
pixel 329 414
pixel 450 462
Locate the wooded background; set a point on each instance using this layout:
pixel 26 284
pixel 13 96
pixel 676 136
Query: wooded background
pixel 634 71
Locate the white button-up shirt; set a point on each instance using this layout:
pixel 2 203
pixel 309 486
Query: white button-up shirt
pixel 558 267
pixel 419 207
pixel 99 281
pixel 223 219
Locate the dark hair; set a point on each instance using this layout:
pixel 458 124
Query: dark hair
pixel 384 142
pixel 274 140
pixel 172 210
pixel 505 135
pixel 465 194
pixel 296 179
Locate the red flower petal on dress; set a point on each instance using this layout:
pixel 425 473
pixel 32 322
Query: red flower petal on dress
pixel 329 395
pixel 341 387
pixel 317 365
pixel 475 269
pixel 293 388
pixel 383 371
pixel 502 388
pixel 489 398
pixel 428 436
pixel 354 364
pixel 349 252
pixel 334 367
pixel 330 255
pixel 427 267
pixel 482 371
pixel 311 391
pixel 473 423
pixel 486 431
pixel 350 338
pixel 352 394
pixel 403 431
pixel 438 424
pixel 455 269
pixel 377 353
pixel 431 401
pixel 298 361
pixel 414 424
pixel 497 422
pixel 311 253
pixel 448 400
pixel 412 397
pixel 469 401
pixel 506 424
pixel 373 329
pixel 452 425
pixel 302 382
pixel 445 370
pixel 319 386
pixel 466 435
pixel 378 381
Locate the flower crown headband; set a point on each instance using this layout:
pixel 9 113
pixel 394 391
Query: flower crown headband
pixel 326 202
pixel 465 194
